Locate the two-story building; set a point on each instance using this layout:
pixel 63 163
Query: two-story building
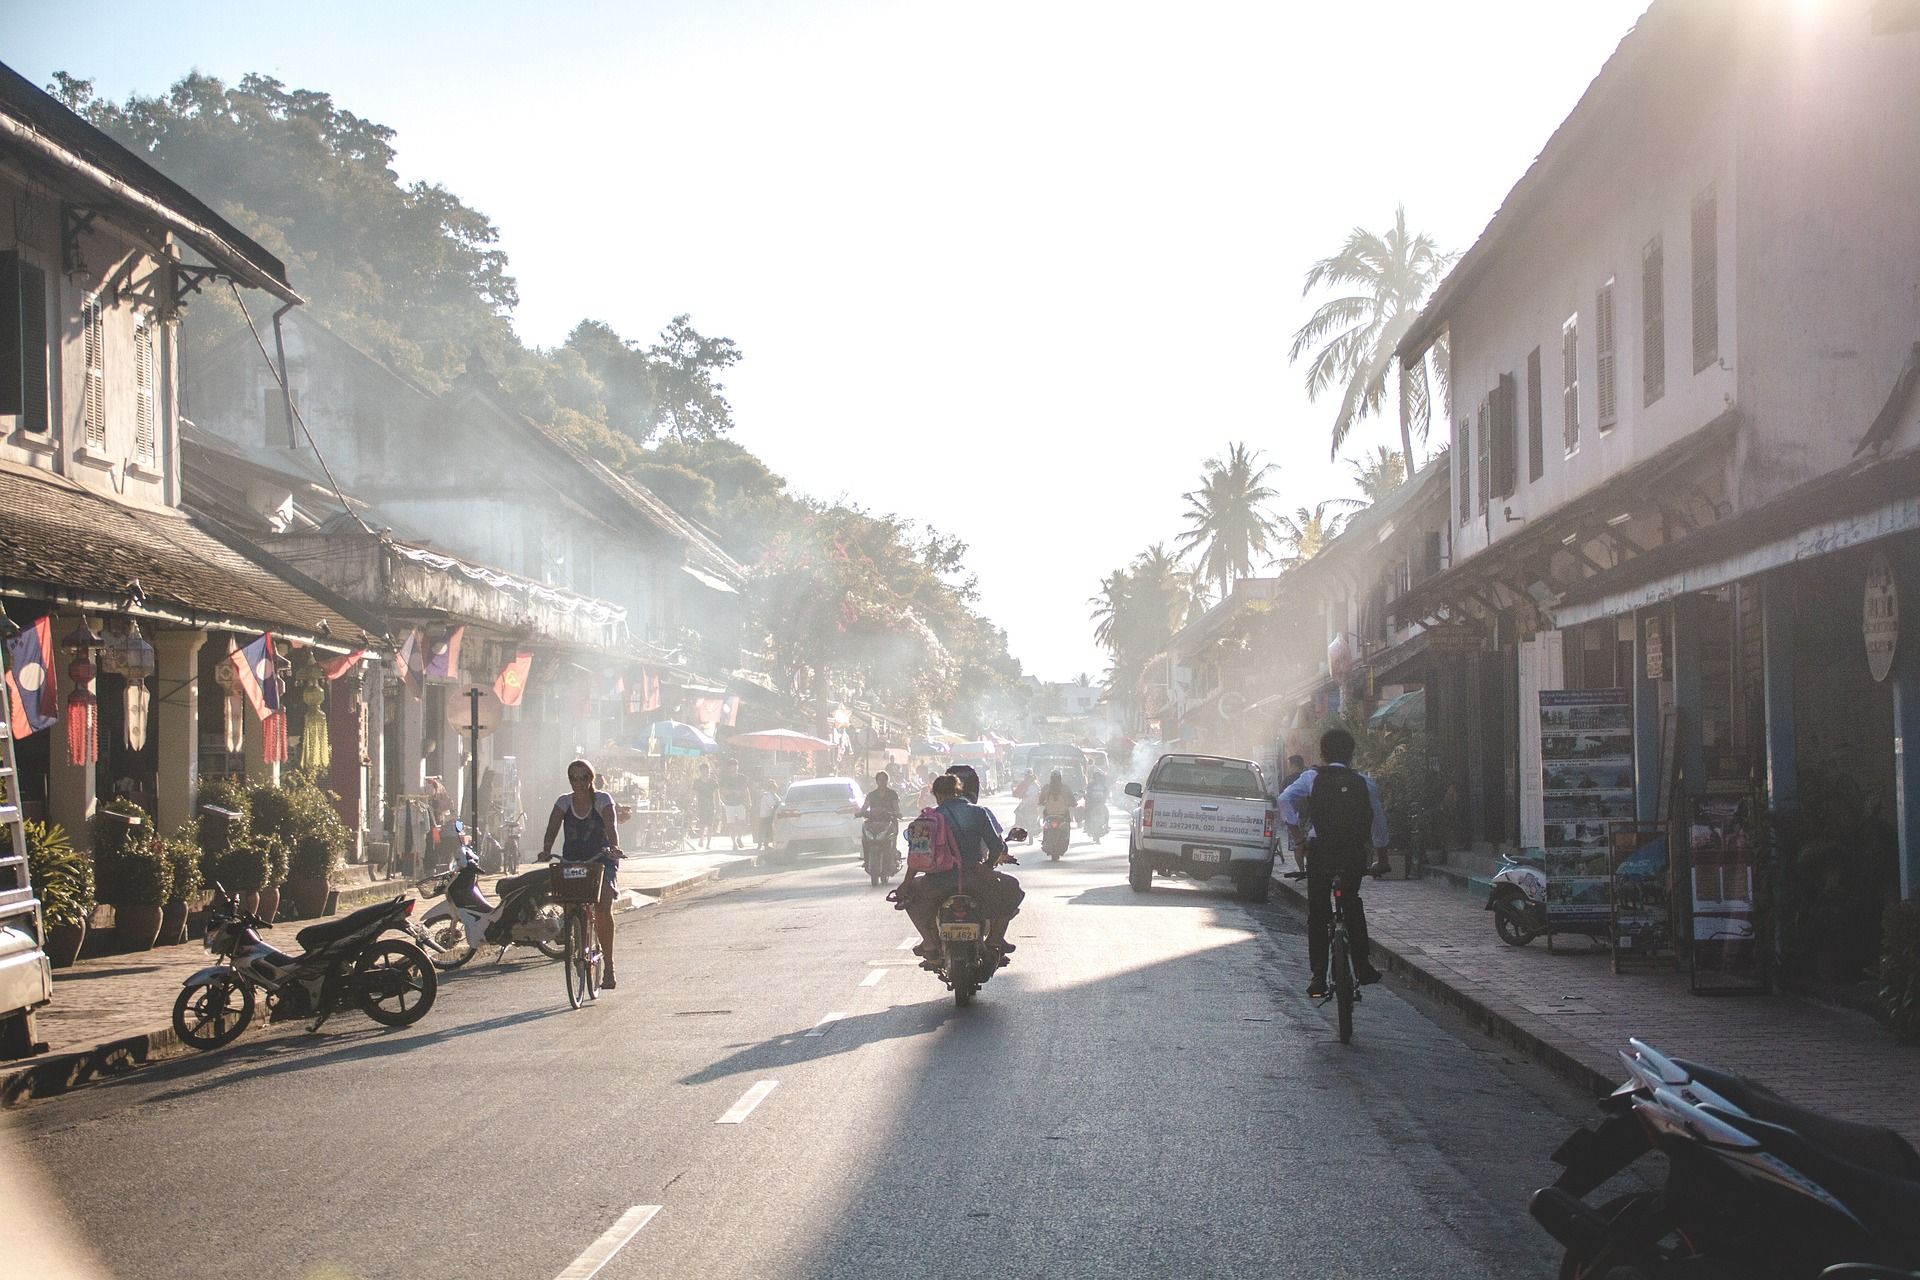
pixel 1682 377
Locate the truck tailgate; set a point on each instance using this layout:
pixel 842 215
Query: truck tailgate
pixel 1208 818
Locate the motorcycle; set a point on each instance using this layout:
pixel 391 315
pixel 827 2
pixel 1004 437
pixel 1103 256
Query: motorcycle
pixel 1056 832
pixel 1097 822
pixel 1756 1187
pixel 344 961
pixel 969 955
pixel 464 921
pixel 1518 900
pixel 880 848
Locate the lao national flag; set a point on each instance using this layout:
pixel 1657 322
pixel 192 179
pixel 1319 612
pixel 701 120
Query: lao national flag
pixel 334 668
pixel 443 656
pixel 730 711
pixel 406 660
pixel 512 681
pixel 30 681
pixel 253 675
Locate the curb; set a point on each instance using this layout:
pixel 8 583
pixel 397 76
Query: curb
pixel 1493 1022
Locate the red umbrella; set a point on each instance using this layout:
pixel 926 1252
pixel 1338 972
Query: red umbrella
pixel 779 740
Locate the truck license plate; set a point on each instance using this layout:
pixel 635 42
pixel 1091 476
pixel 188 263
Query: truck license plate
pixel 960 933
pixel 1209 855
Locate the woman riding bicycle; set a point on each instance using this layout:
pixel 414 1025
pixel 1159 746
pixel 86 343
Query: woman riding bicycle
pixel 591 836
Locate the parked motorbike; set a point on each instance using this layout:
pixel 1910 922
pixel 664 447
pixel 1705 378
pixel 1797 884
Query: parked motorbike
pixel 1056 832
pixel 1756 1187
pixel 1518 900
pixel 969 954
pixel 880 848
pixel 465 921
pixel 345 961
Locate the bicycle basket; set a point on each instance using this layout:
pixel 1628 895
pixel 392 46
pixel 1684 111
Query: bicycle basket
pixel 575 881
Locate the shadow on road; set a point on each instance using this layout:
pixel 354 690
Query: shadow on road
pixel 844 1036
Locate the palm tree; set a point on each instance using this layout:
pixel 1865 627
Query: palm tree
pixel 1227 522
pixel 1377 474
pixel 1390 277
pixel 1306 533
pixel 1110 610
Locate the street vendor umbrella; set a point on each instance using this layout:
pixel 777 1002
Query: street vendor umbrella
pixel 674 738
pixel 779 740
pixel 921 747
pixel 973 750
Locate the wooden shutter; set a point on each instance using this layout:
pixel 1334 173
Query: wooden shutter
pixel 12 348
pixel 1463 470
pixel 144 377
pixel 1506 437
pixel 1653 322
pixel 1570 383
pixel 94 403
pixel 1605 362
pixel 1706 281
pixel 1485 459
pixel 1536 431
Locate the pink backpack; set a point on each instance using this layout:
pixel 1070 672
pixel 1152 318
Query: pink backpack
pixel 931 846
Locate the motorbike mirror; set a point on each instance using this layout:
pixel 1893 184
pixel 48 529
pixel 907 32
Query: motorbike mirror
pixel 1018 835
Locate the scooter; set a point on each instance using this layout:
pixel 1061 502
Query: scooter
pixel 464 921
pixel 969 954
pixel 1097 820
pixel 1518 900
pixel 344 961
pixel 1756 1187
pixel 880 849
pixel 1056 832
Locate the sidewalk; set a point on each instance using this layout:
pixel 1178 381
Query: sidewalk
pixel 1572 1012
pixel 113 1014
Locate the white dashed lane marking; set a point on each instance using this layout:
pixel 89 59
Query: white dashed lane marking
pixel 873 978
pixel 614 1239
pixel 825 1024
pixel 748 1101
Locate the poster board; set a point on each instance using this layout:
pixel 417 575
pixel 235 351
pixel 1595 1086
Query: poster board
pixel 1640 858
pixel 1722 880
pixel 1586 768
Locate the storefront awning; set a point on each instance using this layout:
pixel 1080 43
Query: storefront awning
pixel 709 580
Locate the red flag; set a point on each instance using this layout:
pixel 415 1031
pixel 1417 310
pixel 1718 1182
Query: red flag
pixel 649 690
pixel 31 702
pixel 512 681
pixel 334 668
pixel 406 660
pixel 706 713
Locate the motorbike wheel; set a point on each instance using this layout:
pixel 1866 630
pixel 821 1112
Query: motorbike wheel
pixel 964 985
pixel 1510 922
pixel 556 950
pixel 212 1013
pixel 394 983
pixel 451 937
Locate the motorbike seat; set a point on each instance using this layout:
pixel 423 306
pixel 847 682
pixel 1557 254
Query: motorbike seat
pixel 319 935
pixel 1869 1146
pixel 526 879
pixel 1888 1205
pixel 463 892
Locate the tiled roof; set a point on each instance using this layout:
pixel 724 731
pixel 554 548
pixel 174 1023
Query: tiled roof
pixel 61 541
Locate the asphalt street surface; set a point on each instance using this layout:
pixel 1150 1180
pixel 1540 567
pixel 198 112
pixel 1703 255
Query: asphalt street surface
pixel 776 1090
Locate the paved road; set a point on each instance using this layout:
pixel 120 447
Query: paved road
pixel 1144 1093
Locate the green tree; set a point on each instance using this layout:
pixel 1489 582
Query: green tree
pixel 1353 337
pixel 1306 533
pixel 1227 520
pixel 1377 474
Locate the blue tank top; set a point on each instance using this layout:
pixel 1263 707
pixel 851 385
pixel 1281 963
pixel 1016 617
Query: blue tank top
pixel 582 839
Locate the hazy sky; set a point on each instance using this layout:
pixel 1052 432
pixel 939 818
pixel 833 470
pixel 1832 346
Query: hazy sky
pixel 1013 268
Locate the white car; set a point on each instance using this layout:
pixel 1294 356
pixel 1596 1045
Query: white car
pixel 819 813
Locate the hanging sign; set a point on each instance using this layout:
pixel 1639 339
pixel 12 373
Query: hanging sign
pixel 1656 651
pixel 1880 616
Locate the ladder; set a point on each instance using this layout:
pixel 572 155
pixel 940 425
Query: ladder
pixel 19 908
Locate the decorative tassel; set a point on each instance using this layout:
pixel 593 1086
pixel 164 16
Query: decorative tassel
pixel 316 744
pixel 274 728
pixel 138 703
pixel 83 714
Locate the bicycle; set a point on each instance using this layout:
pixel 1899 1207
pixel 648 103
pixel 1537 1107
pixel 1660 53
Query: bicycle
pixel 1345 986
pixel 576 886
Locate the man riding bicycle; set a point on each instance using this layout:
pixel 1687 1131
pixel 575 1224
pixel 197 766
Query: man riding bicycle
pixel 1344 818
pixel 591 836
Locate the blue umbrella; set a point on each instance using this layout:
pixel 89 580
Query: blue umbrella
pixel 675 738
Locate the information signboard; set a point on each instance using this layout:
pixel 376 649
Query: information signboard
pixel 1727 955
pixel 1586 766
pixel 1642 894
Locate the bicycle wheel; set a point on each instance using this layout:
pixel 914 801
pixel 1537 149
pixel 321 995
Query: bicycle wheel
pixel 1343 983
pixel 576 964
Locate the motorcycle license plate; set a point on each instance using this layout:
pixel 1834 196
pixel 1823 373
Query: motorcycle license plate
pixel 960 933
pixel 1209 855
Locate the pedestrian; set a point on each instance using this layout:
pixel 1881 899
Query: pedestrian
pixel 1296 765
pixel 706 805
pixel 733 801
pixel 768 801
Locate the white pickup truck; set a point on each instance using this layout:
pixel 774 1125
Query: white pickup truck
pixel 1204 817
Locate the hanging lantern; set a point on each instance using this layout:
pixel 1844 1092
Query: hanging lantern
pixel 316 743
pixel 83 713
pixel 136 662
pixel 233 706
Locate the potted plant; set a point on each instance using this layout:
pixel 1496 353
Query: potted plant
pixel 241 871
pixel 182 850
pixel 223 813
pixel 132 873
pixel 277 855
pixel 303 815
pixel 63 881
pixel 1900 969
pixel 316 859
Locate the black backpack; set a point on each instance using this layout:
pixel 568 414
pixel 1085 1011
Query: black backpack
pixel 1342 811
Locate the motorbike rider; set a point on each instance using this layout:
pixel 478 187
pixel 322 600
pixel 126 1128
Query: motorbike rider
pixel 1340 825
pixel 1027 793
pixel 1011 894
pixel 1096 790
pixel 980 846
pixel 883 802
pixel 1057 798
pixel 592 835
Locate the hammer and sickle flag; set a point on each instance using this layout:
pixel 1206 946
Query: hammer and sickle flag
pixel 512 680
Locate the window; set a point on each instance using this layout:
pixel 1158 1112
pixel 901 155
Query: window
pixel 1570 383
pixel 1605 362
pixel 1506 437
pixel 1653 322
pixel 1229 779
pixel 1464 441
pixel 1536 437
pixel 93 414
pixel 1485 461
pixel 1706 281
pixel 23 343
pixel 145 375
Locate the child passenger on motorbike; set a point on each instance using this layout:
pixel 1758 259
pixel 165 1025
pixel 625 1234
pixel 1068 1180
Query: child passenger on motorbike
pixel 592 834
